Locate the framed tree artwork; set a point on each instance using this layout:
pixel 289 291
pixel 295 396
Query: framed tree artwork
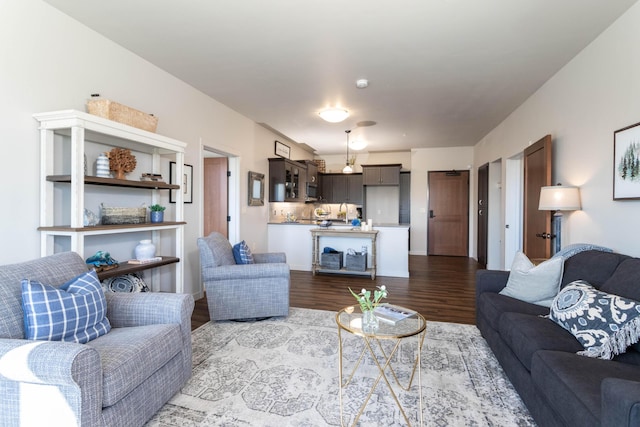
pixel 626 163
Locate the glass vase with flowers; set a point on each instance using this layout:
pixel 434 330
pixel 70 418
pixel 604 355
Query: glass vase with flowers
pixel 368 301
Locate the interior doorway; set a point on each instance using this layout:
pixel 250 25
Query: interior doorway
pixel 226 211
pixel 483 214
pixel 448 221
pixel 513 209
pixel 216 195
pixel 537 223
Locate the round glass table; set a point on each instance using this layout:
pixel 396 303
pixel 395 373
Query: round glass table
pixel 349 320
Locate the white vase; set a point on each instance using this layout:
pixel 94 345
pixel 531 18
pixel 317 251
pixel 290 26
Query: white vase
pixel 145 250
pixel 102 166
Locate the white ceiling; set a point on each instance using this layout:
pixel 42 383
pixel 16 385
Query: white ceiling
pixel 442 73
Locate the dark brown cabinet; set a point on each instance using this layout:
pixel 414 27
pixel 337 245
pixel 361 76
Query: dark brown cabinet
pixel 342 188
pixel 381 174
pixel 405 198
pixel 286 180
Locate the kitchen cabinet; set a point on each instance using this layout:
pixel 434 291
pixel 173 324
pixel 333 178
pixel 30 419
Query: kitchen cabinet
pixel 286 180
pixel 381 174
pixel 342 188
pixel 405 198
pixel 312 172
pixel 65 187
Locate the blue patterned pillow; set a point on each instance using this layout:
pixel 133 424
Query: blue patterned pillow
pixel 75 312
pixel 605 324
pixel 242 253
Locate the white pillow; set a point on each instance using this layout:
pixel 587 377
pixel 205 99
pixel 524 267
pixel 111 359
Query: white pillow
pixel 537 284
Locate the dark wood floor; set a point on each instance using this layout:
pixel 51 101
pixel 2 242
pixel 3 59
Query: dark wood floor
pixel 439 287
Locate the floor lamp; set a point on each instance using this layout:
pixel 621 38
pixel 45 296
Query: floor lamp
pixel 558 198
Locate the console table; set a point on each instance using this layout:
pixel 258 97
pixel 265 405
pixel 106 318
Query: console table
pixel 317 233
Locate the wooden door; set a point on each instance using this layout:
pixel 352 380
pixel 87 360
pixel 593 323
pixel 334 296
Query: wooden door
pixel 448 223
pixel 536 223
pixel 483 214
pixel 216 196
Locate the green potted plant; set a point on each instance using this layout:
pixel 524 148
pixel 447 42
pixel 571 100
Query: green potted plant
pixel 157 213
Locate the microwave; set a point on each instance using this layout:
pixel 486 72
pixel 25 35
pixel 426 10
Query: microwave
pixel 312 192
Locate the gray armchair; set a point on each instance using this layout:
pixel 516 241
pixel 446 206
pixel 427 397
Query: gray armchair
pixel 243 291
pixel 119 379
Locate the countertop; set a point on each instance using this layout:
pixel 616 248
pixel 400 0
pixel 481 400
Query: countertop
pixel 335 224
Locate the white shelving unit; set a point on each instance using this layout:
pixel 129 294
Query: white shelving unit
pixel 77 129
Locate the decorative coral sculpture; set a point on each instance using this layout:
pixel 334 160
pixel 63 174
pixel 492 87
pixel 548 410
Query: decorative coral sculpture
pixel 121 161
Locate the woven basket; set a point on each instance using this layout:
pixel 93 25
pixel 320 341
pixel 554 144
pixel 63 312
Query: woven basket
pixel 111 216
pixel 322 166
pixel 122 114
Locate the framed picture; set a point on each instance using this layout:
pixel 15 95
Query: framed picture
pixel 186 183
pixel 626 163
pixel 256 189
pixel 282 150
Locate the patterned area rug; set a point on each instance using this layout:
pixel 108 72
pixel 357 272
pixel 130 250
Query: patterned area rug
pixel 284 372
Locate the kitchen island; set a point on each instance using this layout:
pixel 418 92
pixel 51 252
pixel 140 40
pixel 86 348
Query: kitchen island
pixel 296 241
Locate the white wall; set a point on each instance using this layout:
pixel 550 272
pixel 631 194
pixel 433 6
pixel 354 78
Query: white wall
pixel 50 62
pixel 581 106
pixel 436 159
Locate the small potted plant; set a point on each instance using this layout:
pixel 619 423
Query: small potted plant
pixel 157 213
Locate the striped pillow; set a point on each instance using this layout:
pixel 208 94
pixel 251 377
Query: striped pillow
pixel 75 312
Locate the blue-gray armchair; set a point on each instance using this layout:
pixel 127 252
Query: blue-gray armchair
pixel 243 291
pixel 121 378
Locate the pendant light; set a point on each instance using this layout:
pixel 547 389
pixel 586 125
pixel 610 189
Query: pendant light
pixel 347 168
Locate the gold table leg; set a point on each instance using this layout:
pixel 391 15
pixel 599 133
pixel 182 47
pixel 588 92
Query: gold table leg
pixel 382 368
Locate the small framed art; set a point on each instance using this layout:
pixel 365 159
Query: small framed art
pixel 626 163
pixel 282 150
pixel 186 183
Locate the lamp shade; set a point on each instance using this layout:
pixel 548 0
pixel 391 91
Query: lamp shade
pixel 334 115
pixel 559 198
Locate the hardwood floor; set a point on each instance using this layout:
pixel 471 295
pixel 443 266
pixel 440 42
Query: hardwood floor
pixel 441 288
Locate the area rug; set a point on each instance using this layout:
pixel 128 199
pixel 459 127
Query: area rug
pixel 284 372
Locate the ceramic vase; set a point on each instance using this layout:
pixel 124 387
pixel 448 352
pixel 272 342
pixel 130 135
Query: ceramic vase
pixel 370 322
pixel 157 216
pixel 102 166
pixel 145 250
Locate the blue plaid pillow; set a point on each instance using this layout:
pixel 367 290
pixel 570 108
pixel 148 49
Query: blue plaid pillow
pixel 242 253
pixel 75 312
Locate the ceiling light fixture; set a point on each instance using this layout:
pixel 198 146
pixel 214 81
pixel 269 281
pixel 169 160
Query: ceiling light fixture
pixel 357 144
pixel 362 83
pixel 347 168
pixel 334 115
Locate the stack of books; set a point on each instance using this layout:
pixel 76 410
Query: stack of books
pixel 393 313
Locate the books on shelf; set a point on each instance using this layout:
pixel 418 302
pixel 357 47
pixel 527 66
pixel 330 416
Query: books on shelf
pixel 145 261
pixel 393 314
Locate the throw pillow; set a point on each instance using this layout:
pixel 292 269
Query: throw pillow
pixel 75 312
pixel 537 284
pixel 242 253
pixel 605 324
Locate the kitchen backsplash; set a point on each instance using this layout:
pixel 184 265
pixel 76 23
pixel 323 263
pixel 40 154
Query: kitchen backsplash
pixel 278 211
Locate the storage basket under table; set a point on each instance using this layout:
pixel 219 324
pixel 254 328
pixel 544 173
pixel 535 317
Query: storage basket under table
pixel 331 260
pixel 356 262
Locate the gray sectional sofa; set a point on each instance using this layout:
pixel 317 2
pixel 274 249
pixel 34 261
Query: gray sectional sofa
pixel 121 378
pixel 560 387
